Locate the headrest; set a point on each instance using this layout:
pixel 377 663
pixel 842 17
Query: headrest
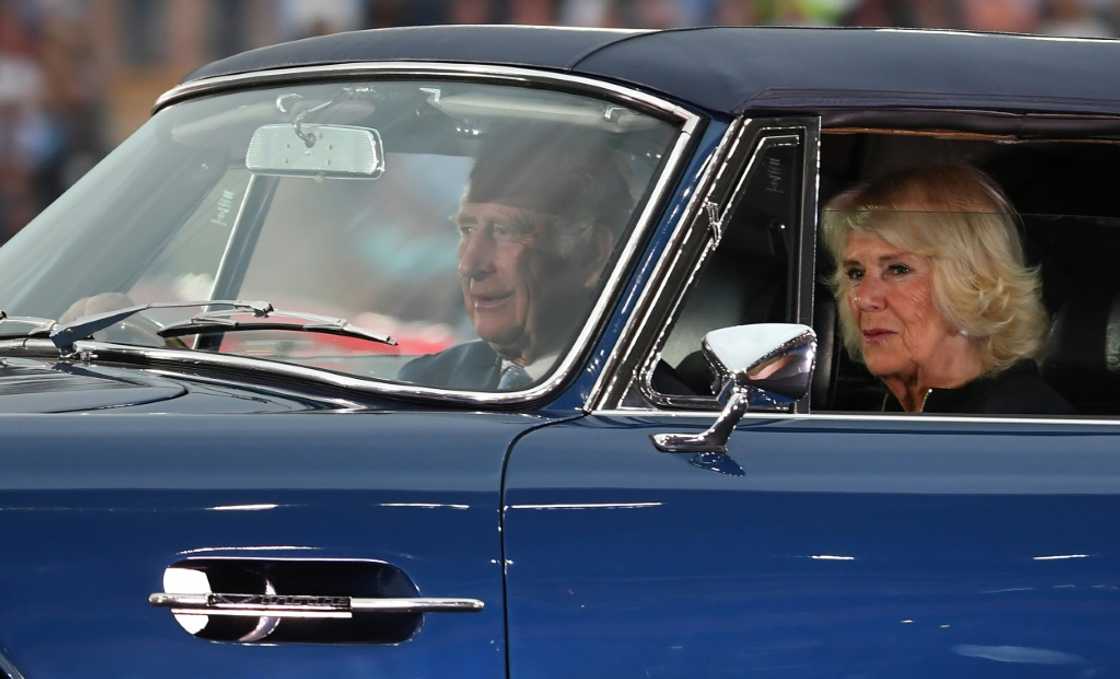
pixel 1083 351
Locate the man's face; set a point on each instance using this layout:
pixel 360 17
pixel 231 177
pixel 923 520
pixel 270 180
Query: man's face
pixel 516 288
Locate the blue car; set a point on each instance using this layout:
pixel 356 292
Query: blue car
pixel 541 352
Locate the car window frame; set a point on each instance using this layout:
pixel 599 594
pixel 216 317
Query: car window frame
pixel 688 125
pixel 625 385
pixel 633 362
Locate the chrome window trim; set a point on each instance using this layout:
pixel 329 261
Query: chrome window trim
pixel 607 382
pixel 767 138
pixel 9 670
pixel 810 218
pixel 507 74
pixel 86 350
pixel 688 123
pixel 810 226
pixel 705 417
pixel 607 392
pixel 340 405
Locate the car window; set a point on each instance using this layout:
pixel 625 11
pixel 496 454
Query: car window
pixel 400 278
pixel 967 277
pixel 185 267
pixel 473 224
pixel 750 276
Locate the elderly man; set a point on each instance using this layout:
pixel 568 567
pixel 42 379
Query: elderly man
pixel 537 225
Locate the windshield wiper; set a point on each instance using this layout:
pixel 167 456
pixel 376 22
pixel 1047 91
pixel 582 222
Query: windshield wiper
pixel 64 335
pixel 221 321
pixel 40 327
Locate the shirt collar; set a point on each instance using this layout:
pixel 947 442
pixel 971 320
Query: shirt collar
pixel 537 368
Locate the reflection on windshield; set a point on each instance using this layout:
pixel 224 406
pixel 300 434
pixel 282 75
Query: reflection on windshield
pixel 473 223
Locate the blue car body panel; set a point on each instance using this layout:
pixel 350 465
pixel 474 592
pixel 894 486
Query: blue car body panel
pixel 824 549
pixel 42 386
pixel 94 507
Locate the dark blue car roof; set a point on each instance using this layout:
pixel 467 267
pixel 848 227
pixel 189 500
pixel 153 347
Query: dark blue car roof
pixel 730 70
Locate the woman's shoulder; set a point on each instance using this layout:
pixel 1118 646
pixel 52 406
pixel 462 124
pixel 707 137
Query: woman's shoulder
pixel 1018 390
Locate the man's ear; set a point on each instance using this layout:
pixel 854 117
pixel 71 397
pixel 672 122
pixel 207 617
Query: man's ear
pixel 602 243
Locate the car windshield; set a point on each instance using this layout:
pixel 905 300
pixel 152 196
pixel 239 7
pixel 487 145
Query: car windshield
pixel 475 224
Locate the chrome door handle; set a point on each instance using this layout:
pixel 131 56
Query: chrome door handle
pixel 305 606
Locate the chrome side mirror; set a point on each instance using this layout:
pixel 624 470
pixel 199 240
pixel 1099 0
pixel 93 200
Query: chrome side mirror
pixel 767 359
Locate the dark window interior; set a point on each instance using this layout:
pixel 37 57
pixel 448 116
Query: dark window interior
pixel 1066 193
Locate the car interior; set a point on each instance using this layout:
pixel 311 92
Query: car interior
pixel 1060 185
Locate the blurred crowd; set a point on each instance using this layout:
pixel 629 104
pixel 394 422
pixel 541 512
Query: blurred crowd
pixel 76 75
pixel 50 128
pixel 1074 17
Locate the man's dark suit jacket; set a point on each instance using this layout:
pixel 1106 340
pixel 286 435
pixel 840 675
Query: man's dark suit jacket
pixel 475 366
pixel 472 366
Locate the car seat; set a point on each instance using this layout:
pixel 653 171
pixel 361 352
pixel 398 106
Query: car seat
pixel 1082 359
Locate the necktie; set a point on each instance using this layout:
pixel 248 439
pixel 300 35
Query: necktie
pixel 513 378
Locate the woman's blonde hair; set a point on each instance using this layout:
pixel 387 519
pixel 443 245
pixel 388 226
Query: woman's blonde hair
pixel 957 217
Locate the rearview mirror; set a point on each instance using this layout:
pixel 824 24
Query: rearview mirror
pixel 316 150
pixel 771 359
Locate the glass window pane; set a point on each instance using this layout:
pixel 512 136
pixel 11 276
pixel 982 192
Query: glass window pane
pixel 473 223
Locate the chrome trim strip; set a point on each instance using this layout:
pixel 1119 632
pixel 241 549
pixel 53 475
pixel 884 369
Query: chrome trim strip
pixel 342 405
pixel 306 606
pixel 427 69
pixel 580 29
pixel 263 611
pixel 810 192
pixel 984 35
pixel 706 416
pixel 417 605
pixel 807 257
pixel 106 350
pixel 8 670
pixel 606 383
pixel 186 563
pixel 21 344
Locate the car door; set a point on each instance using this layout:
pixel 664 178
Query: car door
pixel 372 504
pixel 819 545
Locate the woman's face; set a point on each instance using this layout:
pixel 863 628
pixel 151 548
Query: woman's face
pixel 890 295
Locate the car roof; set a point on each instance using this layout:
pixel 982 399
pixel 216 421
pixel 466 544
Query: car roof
pixel 734 70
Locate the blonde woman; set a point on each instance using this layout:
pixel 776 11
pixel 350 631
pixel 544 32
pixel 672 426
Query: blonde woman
pixel 934 295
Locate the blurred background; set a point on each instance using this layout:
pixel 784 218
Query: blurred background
pixel 77 76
